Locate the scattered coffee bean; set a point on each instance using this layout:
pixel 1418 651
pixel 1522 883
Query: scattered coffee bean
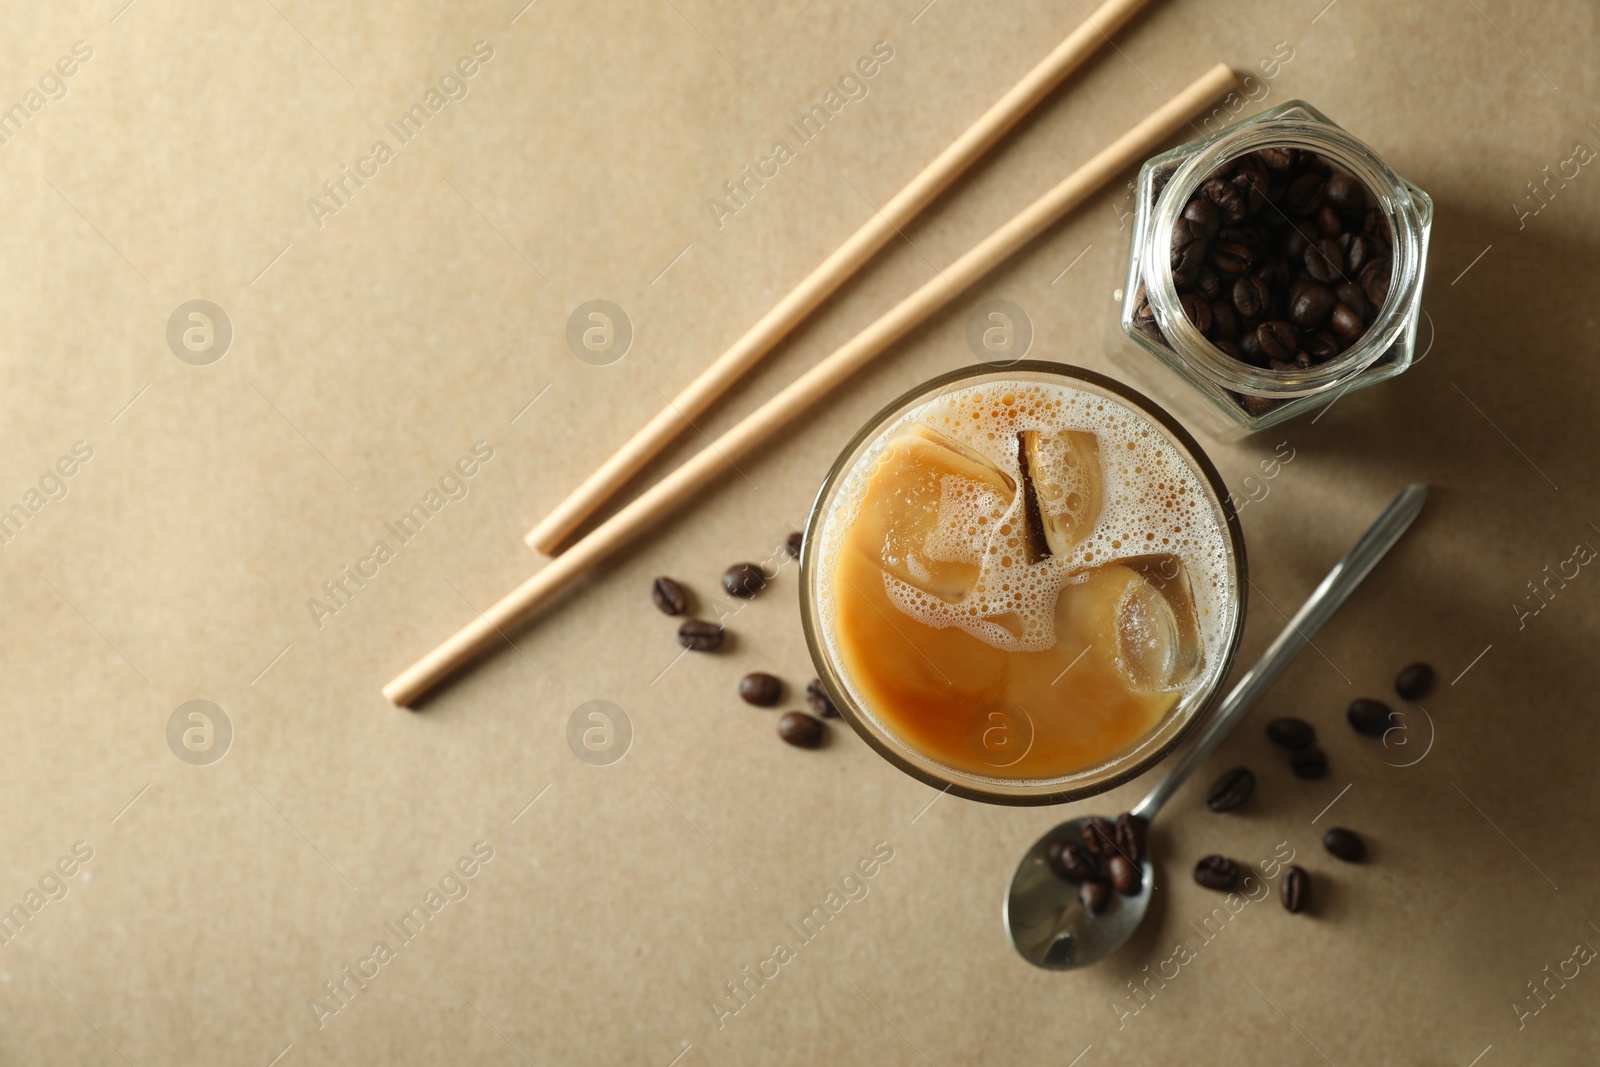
pixel 1094 895
pixel 1370 717
pixel 1231 790
pixel 1309 763
pixel 798 728
pixel 821 703
pixel 1126 878
pixel 793 543
pixel 698 635
pixel 762 690
pixel 1291 733
pixel 1296 889
pixel 1217 872
pixel 1071 861
pixel 669 596
pixel 1346 844
pixel 743 579
pixel 1415 682
pixel 1099 836
pixel 1130 835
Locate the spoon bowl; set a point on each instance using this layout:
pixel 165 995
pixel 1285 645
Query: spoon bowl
pixel 1059 934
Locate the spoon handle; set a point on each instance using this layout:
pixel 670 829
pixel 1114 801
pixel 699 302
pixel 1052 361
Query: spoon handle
pixel 1338 585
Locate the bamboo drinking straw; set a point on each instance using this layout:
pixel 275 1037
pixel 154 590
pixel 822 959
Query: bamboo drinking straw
pixel 646 511
pixel 831 273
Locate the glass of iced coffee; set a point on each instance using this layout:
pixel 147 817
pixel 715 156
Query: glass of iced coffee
pixel 1020 583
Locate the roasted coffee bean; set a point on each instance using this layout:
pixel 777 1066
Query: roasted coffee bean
pixel 1311 306
pixel 1224 321
pixel 1291 733
pixel 1304 195
pixel 1251 297
pixel 1285 365
pixel 1203 215
pixel 1346 844
pixel 1126 878
pixel 1320 346
pixel 1346 323
pixel 1148 327
pixel 1232 258
pixel 700 635
pixel 1323 259
pixel 762 690
pixel 1377 225
pixel 744 580
pixel 1186 266
pixel 1247 165
pixel 800 729
pixel 1197 311
pixel 793 543
pixel 1277 339
pixel 821 703
pixel 1130 835
pixel 1229 348
pixel 669 596
pixel 1208 284
pixel 1415 682
pixel 1309 763
pixel 1069 860
pixel 1346 194
pixel 1328 221
pixel 1217 872
pixel 1231 790
pixel 1350 295
pixel 1227 198
pixel 1375 279
pixel 1094 895
pixel 1184 234
pixel 1275 272
pixel 1359 250
pixel 1254 405
pixel 1252 186
pixel 1296 889
pixel 1276 158
pixel 1249 349
pixel 1370 717
pixel 1099 836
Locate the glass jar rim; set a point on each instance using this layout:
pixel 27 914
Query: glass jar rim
pixel 1143 755
pixel 1311 132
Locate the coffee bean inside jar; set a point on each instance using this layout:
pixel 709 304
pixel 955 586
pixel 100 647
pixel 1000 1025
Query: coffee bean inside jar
pixel 1280 261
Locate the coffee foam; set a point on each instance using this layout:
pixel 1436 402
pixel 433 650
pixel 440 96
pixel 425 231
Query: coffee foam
pixel 1155 501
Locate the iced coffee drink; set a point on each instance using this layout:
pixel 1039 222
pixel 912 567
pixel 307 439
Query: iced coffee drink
pixel 1022 583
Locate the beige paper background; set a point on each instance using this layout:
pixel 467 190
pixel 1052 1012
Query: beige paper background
pixel 370 353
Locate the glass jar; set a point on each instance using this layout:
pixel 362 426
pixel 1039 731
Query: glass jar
pixel 1227 394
